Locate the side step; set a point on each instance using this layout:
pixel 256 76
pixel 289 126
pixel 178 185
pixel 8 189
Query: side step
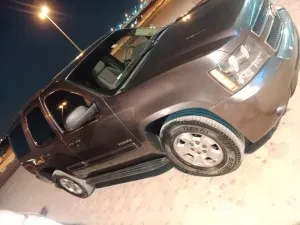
pixel 129 171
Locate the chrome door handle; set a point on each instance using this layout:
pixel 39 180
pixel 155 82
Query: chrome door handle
pixel 75 143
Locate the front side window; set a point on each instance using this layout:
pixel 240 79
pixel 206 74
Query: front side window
pixel 113 60
pixel 18 141
pixel 61 103
pixel 39 128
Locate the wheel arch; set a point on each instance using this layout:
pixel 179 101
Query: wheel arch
pixel 152 129
pixel 47 172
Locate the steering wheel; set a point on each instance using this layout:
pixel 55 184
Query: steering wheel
pixel 128 55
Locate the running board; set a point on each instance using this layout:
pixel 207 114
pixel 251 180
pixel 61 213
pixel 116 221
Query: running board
pixel 129 171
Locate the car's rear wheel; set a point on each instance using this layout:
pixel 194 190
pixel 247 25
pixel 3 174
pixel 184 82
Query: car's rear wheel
pixel 202 146
pixel 73 185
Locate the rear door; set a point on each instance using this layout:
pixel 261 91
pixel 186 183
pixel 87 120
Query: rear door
pixel 46 144
pixel 101 138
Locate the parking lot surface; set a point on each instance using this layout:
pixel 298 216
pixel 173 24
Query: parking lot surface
pixel 264 190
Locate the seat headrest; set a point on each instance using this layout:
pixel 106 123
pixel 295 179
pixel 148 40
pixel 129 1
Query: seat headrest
pixel 139 48
pixel 98 68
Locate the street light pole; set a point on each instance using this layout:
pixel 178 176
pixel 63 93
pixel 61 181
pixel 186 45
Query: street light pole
pixel 66 36
pixel 62 113
pixel 44 14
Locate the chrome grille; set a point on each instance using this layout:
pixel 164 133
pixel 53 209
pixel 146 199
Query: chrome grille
pixel 261 19
pixel 275 33
pixel 268 26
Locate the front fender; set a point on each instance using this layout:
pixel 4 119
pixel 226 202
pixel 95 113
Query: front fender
pixel 170 110
pixel 186 86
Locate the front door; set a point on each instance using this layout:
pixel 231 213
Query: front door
pixel 100 138
pixel 47 148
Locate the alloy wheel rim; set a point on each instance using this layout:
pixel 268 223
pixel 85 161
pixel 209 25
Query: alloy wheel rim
pixel 71 186
pixel 198 149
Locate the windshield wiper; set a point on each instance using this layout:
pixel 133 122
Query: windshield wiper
pixel 157 35
pixel 136 60
pixel 153 41
pixel 128 71
pixel 144 52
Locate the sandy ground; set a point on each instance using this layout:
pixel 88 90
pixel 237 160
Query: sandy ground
pixel 264 190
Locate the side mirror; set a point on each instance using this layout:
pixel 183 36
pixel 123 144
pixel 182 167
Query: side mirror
pixel 79 116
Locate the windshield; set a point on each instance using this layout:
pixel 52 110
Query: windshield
pixel 110 63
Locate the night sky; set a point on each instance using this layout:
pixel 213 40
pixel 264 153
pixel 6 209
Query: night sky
pixel 33 51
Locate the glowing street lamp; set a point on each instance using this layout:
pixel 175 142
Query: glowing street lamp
pixel 61 106
pixel 44 14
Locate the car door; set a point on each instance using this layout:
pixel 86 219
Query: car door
pixel 48 150
pixel 100 138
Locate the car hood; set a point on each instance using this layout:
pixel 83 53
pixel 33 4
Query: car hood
pixel 208 27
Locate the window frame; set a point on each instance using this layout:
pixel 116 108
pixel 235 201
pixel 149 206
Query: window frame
pixel 61 130
pixel 47 143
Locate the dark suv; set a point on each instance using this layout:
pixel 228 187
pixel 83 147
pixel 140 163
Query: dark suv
pixel 191 93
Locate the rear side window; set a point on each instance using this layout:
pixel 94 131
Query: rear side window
pixel 18 142
pixel 39 128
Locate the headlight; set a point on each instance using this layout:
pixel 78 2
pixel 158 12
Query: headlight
pixel 237 70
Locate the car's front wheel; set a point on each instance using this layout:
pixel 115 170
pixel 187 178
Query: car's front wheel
pixel 202 146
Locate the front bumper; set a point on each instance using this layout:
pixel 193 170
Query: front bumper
pixel 253 110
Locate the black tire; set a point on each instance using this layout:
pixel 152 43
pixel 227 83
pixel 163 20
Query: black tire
pixel 85 192
pixel 232 144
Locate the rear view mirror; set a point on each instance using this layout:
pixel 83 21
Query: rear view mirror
pixel 79 116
